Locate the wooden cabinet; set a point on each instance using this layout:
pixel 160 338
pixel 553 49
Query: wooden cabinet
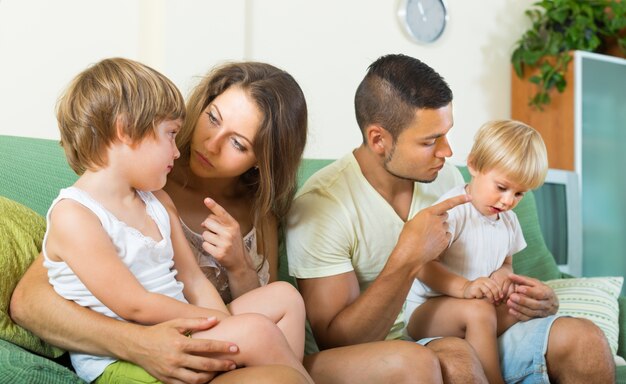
pixel 585 131
pixel 555 122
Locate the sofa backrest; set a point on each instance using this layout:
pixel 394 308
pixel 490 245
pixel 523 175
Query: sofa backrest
pixel 32 171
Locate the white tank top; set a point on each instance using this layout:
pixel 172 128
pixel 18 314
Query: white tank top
pixel 150 261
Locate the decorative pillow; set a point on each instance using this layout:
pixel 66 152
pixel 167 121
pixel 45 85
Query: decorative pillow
pixel 592 298
pixel 21 234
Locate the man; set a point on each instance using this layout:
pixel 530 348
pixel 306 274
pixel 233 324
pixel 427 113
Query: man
pixel 361 228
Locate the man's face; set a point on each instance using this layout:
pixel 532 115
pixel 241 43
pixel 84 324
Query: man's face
pixel 421 149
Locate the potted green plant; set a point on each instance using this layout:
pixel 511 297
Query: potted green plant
pixel 559 27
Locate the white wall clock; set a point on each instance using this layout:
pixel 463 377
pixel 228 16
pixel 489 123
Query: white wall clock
pixel 423 20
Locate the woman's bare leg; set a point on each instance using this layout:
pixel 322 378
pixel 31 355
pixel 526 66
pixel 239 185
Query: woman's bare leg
pixel 268 374
pixel 259 340
pixel 282 303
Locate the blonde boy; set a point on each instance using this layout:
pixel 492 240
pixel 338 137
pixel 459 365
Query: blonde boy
pixel 508 159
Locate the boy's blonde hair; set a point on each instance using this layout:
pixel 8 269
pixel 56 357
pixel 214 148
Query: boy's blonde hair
pixel 111 92
pixel 512 148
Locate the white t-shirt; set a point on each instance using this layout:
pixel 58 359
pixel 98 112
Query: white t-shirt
pixel 339 223
pixel 478 246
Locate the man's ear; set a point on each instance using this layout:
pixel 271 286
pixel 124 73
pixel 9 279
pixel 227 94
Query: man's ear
pixel 378 139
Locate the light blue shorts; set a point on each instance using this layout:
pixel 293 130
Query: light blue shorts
pixel 522 351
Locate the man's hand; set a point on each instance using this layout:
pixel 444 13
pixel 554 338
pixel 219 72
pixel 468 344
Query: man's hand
pixel 426 235
pixel 531 299
pixel 172 357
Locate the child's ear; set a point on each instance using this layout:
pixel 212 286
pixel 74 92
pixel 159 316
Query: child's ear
pixel 470 167
pixel 120 131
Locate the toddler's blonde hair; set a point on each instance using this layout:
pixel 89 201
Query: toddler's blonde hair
pixel 513 148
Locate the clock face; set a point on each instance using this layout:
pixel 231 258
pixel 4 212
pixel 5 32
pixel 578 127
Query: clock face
pixel 424 20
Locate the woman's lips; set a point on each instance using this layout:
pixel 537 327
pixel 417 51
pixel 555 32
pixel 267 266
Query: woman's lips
pixel 203 160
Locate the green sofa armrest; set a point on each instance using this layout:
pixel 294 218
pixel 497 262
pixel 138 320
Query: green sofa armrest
pixel 19 365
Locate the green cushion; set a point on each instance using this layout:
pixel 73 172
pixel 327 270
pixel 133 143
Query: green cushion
pixel 20 366
pixel 592 298
pixel 21 234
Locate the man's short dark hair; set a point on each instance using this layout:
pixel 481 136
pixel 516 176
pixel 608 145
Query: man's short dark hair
pixel 393 88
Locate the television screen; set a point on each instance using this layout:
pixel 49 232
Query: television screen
pixel 559 211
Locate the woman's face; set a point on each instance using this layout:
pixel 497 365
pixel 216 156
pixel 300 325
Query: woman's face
pixel 222 142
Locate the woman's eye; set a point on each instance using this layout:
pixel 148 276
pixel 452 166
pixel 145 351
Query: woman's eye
pixel 212 118
pixel 238 146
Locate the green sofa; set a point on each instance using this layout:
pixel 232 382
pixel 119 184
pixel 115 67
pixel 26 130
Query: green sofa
pixel 33 170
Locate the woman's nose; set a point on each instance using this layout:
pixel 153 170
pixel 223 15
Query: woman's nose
pixel 212 144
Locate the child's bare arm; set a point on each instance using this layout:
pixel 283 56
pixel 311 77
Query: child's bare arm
pixel 439 278
pixel 198 289
pixel 94 259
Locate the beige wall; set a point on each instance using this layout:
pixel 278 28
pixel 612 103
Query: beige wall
pixel 327 46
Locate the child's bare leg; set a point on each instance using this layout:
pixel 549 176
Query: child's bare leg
pixel 259 340
pixel 282 303
pixel 505 319
pixel 474 320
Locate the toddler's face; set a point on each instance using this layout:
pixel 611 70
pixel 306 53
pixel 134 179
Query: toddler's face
pixel 493 192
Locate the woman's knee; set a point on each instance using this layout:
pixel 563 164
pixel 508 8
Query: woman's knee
pixel 267 374
pixel 288 294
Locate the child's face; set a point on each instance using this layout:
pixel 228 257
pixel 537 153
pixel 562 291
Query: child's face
pixel 493 192
pixel 153 156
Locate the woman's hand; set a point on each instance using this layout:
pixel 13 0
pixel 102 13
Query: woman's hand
pixel 222 238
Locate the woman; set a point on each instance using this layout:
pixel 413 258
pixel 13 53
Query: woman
pixel 240 145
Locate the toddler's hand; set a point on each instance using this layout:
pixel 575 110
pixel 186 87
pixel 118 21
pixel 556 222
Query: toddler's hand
pixel 501 278
pixel 483 287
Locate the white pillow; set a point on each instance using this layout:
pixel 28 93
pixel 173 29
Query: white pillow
pixel 593 298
